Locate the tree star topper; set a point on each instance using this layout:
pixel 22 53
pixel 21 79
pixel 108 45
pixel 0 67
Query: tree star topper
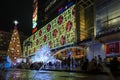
pixel 15 22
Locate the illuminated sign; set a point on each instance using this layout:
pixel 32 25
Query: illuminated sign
pixel 35 10
pixel 34 30
pixel 57 33
pixel 62 9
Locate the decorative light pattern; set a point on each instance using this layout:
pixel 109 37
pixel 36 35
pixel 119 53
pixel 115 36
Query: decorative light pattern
pixel 42 55
pixel 60 19
pixel 68 26
pixel 60 31
pixel 35 16
pixel 48 27
pixel 14 49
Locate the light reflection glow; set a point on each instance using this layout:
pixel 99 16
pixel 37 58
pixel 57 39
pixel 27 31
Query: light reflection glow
pixel 43 55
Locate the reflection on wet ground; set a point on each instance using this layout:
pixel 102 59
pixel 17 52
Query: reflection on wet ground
pixel 17 74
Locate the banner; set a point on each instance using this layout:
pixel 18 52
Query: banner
pixel 112 47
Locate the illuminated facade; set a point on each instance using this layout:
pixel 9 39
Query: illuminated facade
pixel 57 33
pixel 72 26
pixel 93 25
pixel 85 20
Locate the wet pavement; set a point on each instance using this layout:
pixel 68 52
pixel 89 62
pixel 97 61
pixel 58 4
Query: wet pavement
pixel 20 74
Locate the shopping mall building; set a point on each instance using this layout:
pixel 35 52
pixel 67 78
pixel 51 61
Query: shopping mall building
pixel 82 28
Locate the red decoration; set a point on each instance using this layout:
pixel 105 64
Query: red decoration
pixel 37 41
pixel 116 47
pixel 50 44
pixel 112 48
pixel 48 27
pixel 73 11
pixel 60 19
pixel 45 37
pixel 107 49
pixel 34 30
pixel 55 32
pixel 34 49
pixel 68 26
pixel 40 33
pixel 62 40
pixel 33 37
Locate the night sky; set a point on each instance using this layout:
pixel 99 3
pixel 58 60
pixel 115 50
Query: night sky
pixel 20 10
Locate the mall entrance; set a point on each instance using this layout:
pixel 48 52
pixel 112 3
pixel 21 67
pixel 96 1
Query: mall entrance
pixel 71 56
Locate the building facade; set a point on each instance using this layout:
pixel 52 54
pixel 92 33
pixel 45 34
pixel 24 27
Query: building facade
pixel 4 42
pixel 92 25
pixel 67 30
pixel 108 27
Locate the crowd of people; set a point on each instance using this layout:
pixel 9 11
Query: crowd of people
pixel 96 64
pixel 93 65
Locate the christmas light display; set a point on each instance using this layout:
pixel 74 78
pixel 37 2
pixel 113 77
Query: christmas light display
pixel 57 33
pixel 35 16
pixel 14 50
pixel 43 55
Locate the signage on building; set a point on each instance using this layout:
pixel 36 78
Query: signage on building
pixel 112 48
pixel 35 16
pixel 34 30
pixel 62 9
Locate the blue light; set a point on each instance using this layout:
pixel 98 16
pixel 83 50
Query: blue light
pixel 6 64
pixel 35 24
pixel 43 55
pixel 65 8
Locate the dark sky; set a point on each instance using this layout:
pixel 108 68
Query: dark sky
pixel 20 10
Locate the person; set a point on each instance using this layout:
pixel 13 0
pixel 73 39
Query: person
pixel 100 64
pixel 99 59
pixel 81 62
pixel 85 64
pixel 68 62
pixel 114 64
pixel 92 65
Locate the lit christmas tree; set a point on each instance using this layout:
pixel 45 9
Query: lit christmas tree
pixel 14 49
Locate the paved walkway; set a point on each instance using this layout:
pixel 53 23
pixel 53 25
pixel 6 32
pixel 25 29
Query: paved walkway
pixel 106 70
pixel 23 74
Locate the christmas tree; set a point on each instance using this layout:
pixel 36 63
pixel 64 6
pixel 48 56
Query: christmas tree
pixel 14 49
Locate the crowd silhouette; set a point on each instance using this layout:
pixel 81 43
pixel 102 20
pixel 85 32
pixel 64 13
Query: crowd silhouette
pixel 84 64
